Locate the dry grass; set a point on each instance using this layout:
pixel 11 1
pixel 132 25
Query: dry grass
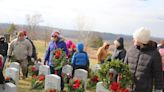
pixel 24 85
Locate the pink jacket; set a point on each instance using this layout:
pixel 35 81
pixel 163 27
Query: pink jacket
pixel 161 51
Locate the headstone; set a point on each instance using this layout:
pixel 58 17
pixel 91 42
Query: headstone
pixel 44 69
pixel 101 88
pixel 82 75
pixel 67 69
pixel 96 68
pixel 8 87
pixel 53 82
pixel 15 65
pixel 12 73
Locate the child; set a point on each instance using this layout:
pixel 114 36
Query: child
pixel 80 59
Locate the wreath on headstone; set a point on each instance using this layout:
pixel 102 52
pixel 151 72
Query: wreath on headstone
pixel 93 79
pixel 33 70
pixel 51 90
pixel 76 85
pixel 38 81
pixel 115 76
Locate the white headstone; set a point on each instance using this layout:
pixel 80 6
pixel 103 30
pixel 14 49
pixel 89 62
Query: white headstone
pixel 15 65
pixel 101 88
pixel 67 69
pixel 44 69
pixel 12 73
pixel 82 75
pixel 53 82
pixel 8 87
pixel 96 68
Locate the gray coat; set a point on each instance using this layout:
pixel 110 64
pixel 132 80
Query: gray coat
pixel 146 68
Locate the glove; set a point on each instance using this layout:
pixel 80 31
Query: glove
pixel 45 62
pixel 28 58
pixel 157 90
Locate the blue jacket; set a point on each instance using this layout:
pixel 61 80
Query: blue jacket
pixel 52 46
pixel 80 58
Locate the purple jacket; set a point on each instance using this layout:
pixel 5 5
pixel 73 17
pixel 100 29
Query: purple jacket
pixel 52 46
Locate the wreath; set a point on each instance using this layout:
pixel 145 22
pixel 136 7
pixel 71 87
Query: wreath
pixel 115 76
pixel 38 81
pixel 51 90
pixel 76 85
pixel 33 70
pixel 93 80
pixel 59 58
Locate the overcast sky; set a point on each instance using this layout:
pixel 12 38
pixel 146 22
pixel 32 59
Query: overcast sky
pixel 115 16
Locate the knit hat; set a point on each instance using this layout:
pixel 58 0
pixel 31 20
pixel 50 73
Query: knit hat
pixel 55 34
pixel 142 35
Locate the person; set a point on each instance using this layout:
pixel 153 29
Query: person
pixel 161 51
pixel 144 62
pixel 102 53
pixel 2 79
pixel 80 58
pixel 34 53
pixel 20 51
pixel 119 52
pixel 3 49
pixel 57 42
pixel 71 47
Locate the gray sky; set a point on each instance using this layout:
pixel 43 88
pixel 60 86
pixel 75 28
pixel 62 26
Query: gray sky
pixel 114 16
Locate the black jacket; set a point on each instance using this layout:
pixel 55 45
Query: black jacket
pixel 3 48
pixel 119 52
pixel 146 68
pixel 34 55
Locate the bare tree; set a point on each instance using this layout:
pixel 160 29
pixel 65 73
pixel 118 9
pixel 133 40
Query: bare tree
pixel 33 22
pixel 84 25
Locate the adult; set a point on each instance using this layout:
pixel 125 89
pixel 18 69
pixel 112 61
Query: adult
pixel 34 53
pixel 119 52
pixel 102 53
pixel 145 64
pixel 161 51
pixel 57 42
pixel 20 50
pixel 3 49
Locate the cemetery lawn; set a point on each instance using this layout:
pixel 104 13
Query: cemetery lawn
pixel 25 85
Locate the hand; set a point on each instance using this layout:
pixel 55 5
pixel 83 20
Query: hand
pixel 157 90
pixel 45 62
pixel 28 58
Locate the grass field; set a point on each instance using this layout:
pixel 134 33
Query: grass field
pixel 24 85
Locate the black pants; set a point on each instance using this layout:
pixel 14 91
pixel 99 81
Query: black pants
pixel 59 73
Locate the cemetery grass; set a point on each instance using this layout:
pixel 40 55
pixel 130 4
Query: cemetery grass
pixel 25 85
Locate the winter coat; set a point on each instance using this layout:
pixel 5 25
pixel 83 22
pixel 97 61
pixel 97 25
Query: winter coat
pixel 161 51
pixel 20 49
pixel 80 58
pixel 53 46
pixel 102 53
pixel 3 48
pixel 119 52
pixel 34 55
pixel 146 68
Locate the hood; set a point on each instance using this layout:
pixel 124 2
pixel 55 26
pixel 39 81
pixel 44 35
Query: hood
pixel 121 42
pixel 80 46
pixel 69 43
pixel 105 44
pixel 151 45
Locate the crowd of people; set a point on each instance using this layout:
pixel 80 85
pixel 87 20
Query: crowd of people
pixel 145 58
